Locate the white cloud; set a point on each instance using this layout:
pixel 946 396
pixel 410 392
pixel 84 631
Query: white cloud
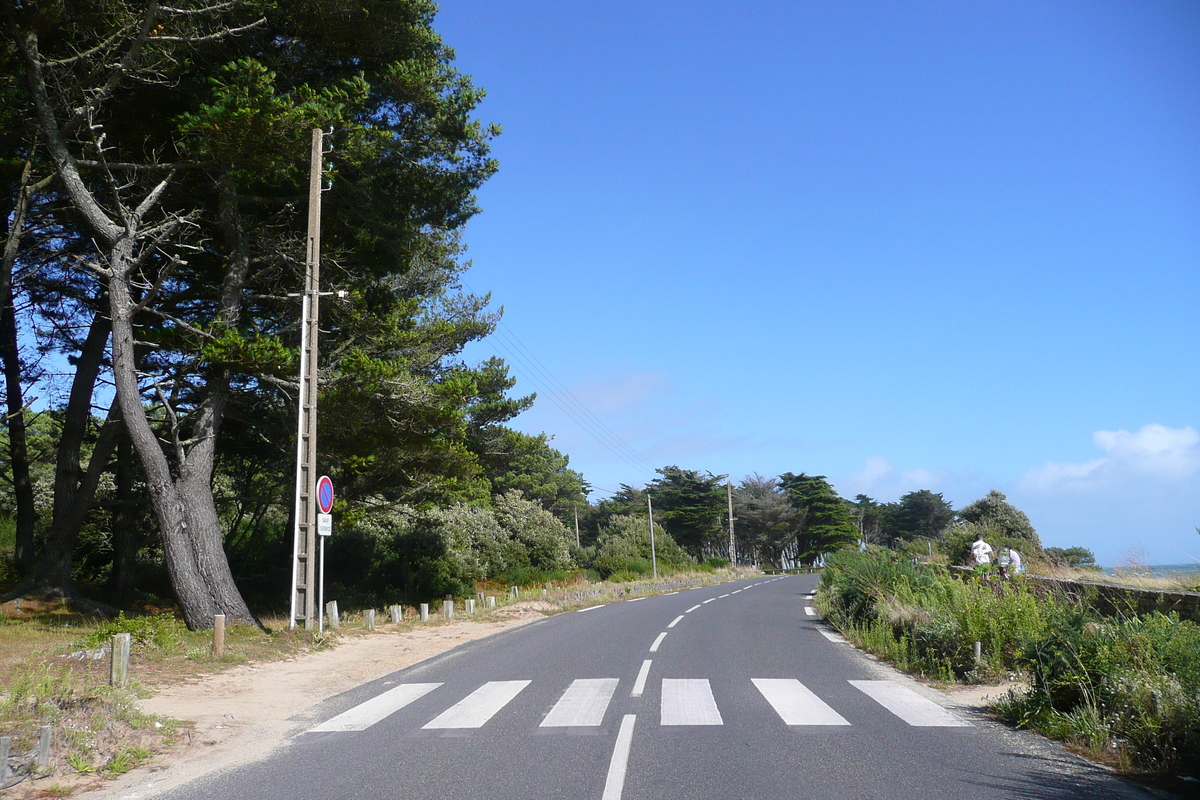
pixel 883 481
pixel 1155 452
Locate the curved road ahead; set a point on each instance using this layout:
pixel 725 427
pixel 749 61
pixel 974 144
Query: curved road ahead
pixel 731 691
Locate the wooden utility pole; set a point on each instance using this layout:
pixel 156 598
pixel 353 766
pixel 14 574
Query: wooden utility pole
pixel 653 554
pixel 732 552
pixel 304 550
pixel 576 526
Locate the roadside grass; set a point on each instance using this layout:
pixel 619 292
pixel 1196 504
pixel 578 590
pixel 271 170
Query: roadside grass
pixel 1124 691
pixel 54 669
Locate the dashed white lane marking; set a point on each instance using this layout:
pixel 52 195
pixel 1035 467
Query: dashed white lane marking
pixel 657 642
pixel 689 701
pixel 478 707
pixel 639 685
pixel 736 592
pixel 582 705
pixel 832 636
pixel 809 610
pixel 908 705
pixel 693 608
pixel 614 784
pixel 709 600
pixel 589 608
pixel 364 715
pixel 675 621
pixel 723 596
pixel 795 703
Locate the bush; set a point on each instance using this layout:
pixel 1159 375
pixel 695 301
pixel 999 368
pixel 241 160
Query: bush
pixel 1136 678
pixel 624 546
pixel 161 631
pixel 1129 685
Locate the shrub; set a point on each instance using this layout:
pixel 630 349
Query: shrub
pixel 624 546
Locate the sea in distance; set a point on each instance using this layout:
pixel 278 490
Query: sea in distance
pixel 1158 570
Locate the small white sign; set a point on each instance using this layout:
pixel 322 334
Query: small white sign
pixel 324 524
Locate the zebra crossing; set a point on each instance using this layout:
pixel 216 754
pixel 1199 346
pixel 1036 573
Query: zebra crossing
pixel 684 702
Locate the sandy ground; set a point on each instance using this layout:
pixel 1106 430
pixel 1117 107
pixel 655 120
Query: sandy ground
pixel 241 715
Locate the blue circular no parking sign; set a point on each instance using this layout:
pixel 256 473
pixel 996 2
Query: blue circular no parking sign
pixel 324 494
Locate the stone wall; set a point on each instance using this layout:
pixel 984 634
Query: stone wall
pixel 1112 599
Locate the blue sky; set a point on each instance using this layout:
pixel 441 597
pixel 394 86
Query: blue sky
pixel 952 246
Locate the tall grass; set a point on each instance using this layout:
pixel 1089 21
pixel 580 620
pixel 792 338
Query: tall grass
pixel 1126 690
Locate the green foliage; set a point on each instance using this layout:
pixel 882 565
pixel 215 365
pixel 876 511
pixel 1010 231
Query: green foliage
pixel 624 548
pixel 917 514
pixel 1074 557
pixel 162 631
pixel 826 523
pixel 690 505
pixel 1131 683
pixel 517 461
pixel 995 512
pixel 535 531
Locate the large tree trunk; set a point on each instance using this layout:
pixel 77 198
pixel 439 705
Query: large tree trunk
pixel 10 355
pixel 124 534
pixel 184 508
pixel 18 447
pixel 74 489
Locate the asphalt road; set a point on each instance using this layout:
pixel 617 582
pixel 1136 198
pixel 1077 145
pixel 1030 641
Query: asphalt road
pixel 730 691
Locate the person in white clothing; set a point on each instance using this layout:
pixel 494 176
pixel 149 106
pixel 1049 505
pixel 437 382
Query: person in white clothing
pixel 981 551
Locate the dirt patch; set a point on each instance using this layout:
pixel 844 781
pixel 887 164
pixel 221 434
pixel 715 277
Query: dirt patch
pixel 241 715
pixel 981 696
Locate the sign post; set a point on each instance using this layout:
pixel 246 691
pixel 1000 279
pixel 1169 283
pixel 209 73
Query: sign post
pixel 324 530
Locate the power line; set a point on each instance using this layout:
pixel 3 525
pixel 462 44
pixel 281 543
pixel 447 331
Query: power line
pixel 540 375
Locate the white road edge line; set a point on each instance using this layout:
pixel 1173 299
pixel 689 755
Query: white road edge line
pixel 657 642
pixel 693 608
pixel 589 608
pixel 639 685
pixel 668 594
pixel 675 621
pixel 634 600
pixel 614 784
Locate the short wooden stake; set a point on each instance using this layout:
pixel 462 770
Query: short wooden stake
pixel 448 609
pixel 978 652
pixel 43 748
pixel 394 611
pixel 331 614
pixel 490 602
pixel 471 605
pixel 369 619
pixel 119 673
pixel 4 742
pixel 424 612
pixel 218 636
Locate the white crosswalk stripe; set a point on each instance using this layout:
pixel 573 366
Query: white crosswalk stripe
pixel 688 701
pixel 795 703
pixel 364 715
pixel 683 702
pixel 582 705
pixel 908 705
pixel 478 707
